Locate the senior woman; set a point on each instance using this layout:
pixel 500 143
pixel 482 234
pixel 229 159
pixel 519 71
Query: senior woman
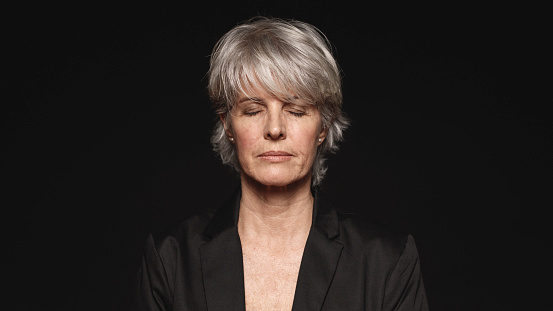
pixel 273 245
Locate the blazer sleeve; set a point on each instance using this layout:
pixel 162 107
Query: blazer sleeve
pixel 404 287
pixel 152 284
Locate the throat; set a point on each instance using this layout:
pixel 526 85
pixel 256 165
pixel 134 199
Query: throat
pixel 263 218
pixel 273 235
pixel 270 273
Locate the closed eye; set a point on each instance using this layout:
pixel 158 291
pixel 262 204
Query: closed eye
pixel 297 113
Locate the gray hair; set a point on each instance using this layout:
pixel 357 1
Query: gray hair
pixel 277 56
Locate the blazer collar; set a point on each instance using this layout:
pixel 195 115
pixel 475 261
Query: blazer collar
pixel 222 264
pixel 320 258
pixel 226 216
pixel 221 259
pixel 325 218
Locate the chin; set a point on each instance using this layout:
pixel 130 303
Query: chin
pixel 277 183
pixel 279 180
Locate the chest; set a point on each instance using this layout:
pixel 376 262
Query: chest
pixel 270 277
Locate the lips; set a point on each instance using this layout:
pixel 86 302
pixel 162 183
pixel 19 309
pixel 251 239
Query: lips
pixel 274 153
pixel 275 156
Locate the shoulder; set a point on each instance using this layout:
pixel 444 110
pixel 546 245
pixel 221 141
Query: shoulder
pixel 364 236
pixel 199 228
pixel 186 233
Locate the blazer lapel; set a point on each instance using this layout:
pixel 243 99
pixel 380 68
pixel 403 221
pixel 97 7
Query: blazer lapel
pixel 221 259
pixel 223 268
pixel 320 259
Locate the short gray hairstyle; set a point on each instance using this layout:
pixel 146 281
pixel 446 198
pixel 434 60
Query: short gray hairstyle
pixel 277 56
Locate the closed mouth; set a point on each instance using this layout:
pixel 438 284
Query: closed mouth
pixel 275 156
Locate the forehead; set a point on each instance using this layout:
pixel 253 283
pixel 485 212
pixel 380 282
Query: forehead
pixel 264 82
pixel 263 90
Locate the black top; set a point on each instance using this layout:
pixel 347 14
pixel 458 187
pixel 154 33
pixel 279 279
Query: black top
pixel 348 263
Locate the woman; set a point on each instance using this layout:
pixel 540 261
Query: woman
pixel 274 245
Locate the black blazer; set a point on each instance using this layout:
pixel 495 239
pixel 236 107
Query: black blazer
pixel 348 264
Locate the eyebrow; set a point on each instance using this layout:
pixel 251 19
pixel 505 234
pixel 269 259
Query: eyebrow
pixel 255 99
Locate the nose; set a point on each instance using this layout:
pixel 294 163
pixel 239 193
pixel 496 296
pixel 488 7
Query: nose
pixel 275 127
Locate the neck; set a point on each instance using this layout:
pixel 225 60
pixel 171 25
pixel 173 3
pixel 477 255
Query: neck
pixel 275 213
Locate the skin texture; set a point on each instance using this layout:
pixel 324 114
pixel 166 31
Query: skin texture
pixel 276 142
pixel 261 124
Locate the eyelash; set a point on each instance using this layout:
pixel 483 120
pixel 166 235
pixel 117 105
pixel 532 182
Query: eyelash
pixel 296 114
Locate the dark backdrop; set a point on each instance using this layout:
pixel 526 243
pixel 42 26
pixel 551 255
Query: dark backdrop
pixel 106 125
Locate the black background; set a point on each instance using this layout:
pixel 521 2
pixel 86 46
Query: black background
pixel 105 127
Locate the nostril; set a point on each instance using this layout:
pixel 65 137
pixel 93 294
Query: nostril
pixel 275 135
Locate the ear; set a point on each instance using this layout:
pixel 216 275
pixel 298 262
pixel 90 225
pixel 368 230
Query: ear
pixel 223 119
pixel 322 136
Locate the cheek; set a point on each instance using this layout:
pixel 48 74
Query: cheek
pixel 245 138
pixel 307 139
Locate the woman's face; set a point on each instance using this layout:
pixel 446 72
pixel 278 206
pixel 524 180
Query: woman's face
pixel 276 140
